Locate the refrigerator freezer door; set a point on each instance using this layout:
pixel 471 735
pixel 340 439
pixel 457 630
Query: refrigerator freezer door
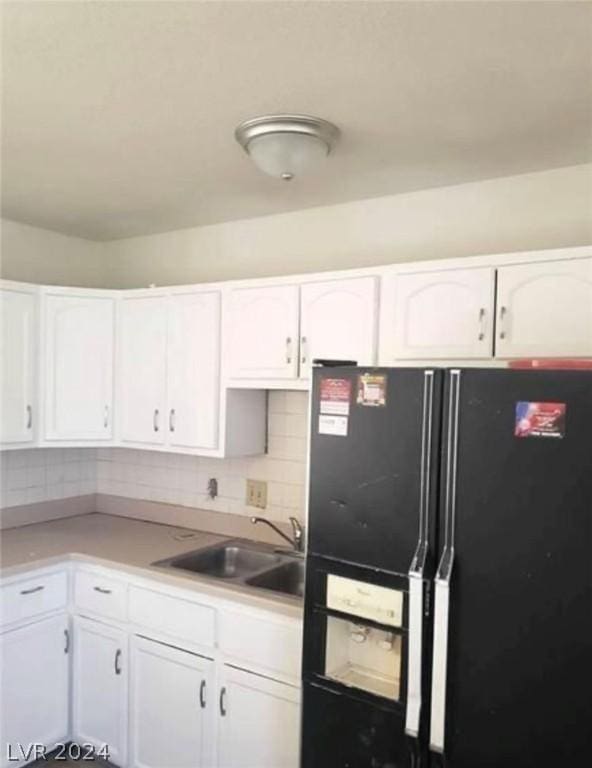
pixel 366 478
pixel 518 672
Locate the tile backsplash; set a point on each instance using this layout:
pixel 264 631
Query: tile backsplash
pixel 43 474
pixel 52 473
pixel 180 479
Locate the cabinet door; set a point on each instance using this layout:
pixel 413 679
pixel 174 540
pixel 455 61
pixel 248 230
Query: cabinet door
pixel 142 361
pixel 78 367
pixel 432 315
pixel 259 722
pixel 171 706
pixel 193 370
pixel 545 309
pixel 17 371
pixel 99 707
pixel 34 692
pixel 263 333
pixel 338 321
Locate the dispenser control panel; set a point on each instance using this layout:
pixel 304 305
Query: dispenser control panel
pixel 368 601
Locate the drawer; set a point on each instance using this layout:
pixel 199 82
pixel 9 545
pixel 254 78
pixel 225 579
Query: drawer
pixel 100 595
pixel 173 616
pixel 33 596
pixel 269 645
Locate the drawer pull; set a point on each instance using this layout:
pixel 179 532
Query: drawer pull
pixel 202 694
pixel 222 701
pixel 32 590
pixel 66 641
pixel 102 590
pixel 117 660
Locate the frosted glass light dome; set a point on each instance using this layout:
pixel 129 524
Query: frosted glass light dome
pixel 286 146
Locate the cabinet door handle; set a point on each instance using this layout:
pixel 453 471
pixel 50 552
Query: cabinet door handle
pixel 66 641
pixel 106 417
pixel 32 590
pixel 102 590
pixel 202 694
pixel 288 349
pixel 172 420
pixel 481 323
pixel 117 660
pixel 223 701
pixel 502 318
pixel 303 342
pixel 155 418
pixel 29 417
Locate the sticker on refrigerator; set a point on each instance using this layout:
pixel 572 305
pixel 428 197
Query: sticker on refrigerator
pixel 540 420
pixel 372 389
pixel 333 425
pixel 335 396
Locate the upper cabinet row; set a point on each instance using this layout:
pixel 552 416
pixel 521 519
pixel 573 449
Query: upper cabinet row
pixel 184 369
pixel 527 310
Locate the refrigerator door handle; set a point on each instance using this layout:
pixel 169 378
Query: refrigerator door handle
pixel 416 571
pixel 444 573
pixel 440 655
pixel 415 653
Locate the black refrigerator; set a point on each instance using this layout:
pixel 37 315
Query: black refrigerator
pixel 448 601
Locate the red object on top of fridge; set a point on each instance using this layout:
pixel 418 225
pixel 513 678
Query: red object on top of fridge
pixel 550 364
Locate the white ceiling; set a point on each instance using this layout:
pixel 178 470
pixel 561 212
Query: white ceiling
pixel 119 116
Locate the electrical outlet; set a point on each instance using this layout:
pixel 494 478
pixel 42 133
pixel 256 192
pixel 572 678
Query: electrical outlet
pixel 257 493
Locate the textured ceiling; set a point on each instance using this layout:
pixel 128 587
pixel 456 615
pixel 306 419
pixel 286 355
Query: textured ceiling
pixel 118 117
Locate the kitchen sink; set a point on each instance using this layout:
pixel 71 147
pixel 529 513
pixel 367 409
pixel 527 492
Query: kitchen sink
pixel 227 561
pixel 259 566
pixel 287 578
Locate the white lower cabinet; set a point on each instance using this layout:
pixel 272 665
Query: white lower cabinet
pixel 99 708
pixel 34 670
pixel 259 722
pixel 172 706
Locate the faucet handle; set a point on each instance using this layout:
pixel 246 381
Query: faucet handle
pixel 298 533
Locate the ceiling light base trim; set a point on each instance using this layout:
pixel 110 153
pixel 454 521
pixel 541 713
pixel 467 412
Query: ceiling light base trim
pixel 285 146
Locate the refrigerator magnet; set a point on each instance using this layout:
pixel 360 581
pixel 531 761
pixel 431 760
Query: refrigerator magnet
pixel 335 396
pixel 540 419
pixel 372 389
pixel 333 425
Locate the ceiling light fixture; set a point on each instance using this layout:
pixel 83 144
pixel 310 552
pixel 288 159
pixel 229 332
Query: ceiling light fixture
pixel 286 146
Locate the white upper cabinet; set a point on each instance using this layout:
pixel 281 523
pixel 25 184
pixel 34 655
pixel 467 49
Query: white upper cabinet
pixel 431 315
pixel 172 706
pixel 338 320
pixel 263 332
pixel 18 364
pixel 545 309
pixel 142 368
pixel 193 369
pixel 78 343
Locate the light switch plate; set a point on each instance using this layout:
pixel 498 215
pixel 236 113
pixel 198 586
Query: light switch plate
pixel 256 493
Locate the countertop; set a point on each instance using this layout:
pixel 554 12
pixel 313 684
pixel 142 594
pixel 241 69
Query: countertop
pixel 127 545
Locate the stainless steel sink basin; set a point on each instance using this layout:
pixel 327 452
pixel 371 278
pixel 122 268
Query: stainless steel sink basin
pixel 258 566
pixel 226 561
pixel 287 578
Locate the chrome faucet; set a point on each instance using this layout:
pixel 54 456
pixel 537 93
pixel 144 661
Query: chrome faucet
pixel 297 540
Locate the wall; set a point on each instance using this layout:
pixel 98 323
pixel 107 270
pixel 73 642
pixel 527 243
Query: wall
pixel 176 479
pixel 34 255
pixel 538 210
pixel 44 474
pixel 548 209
